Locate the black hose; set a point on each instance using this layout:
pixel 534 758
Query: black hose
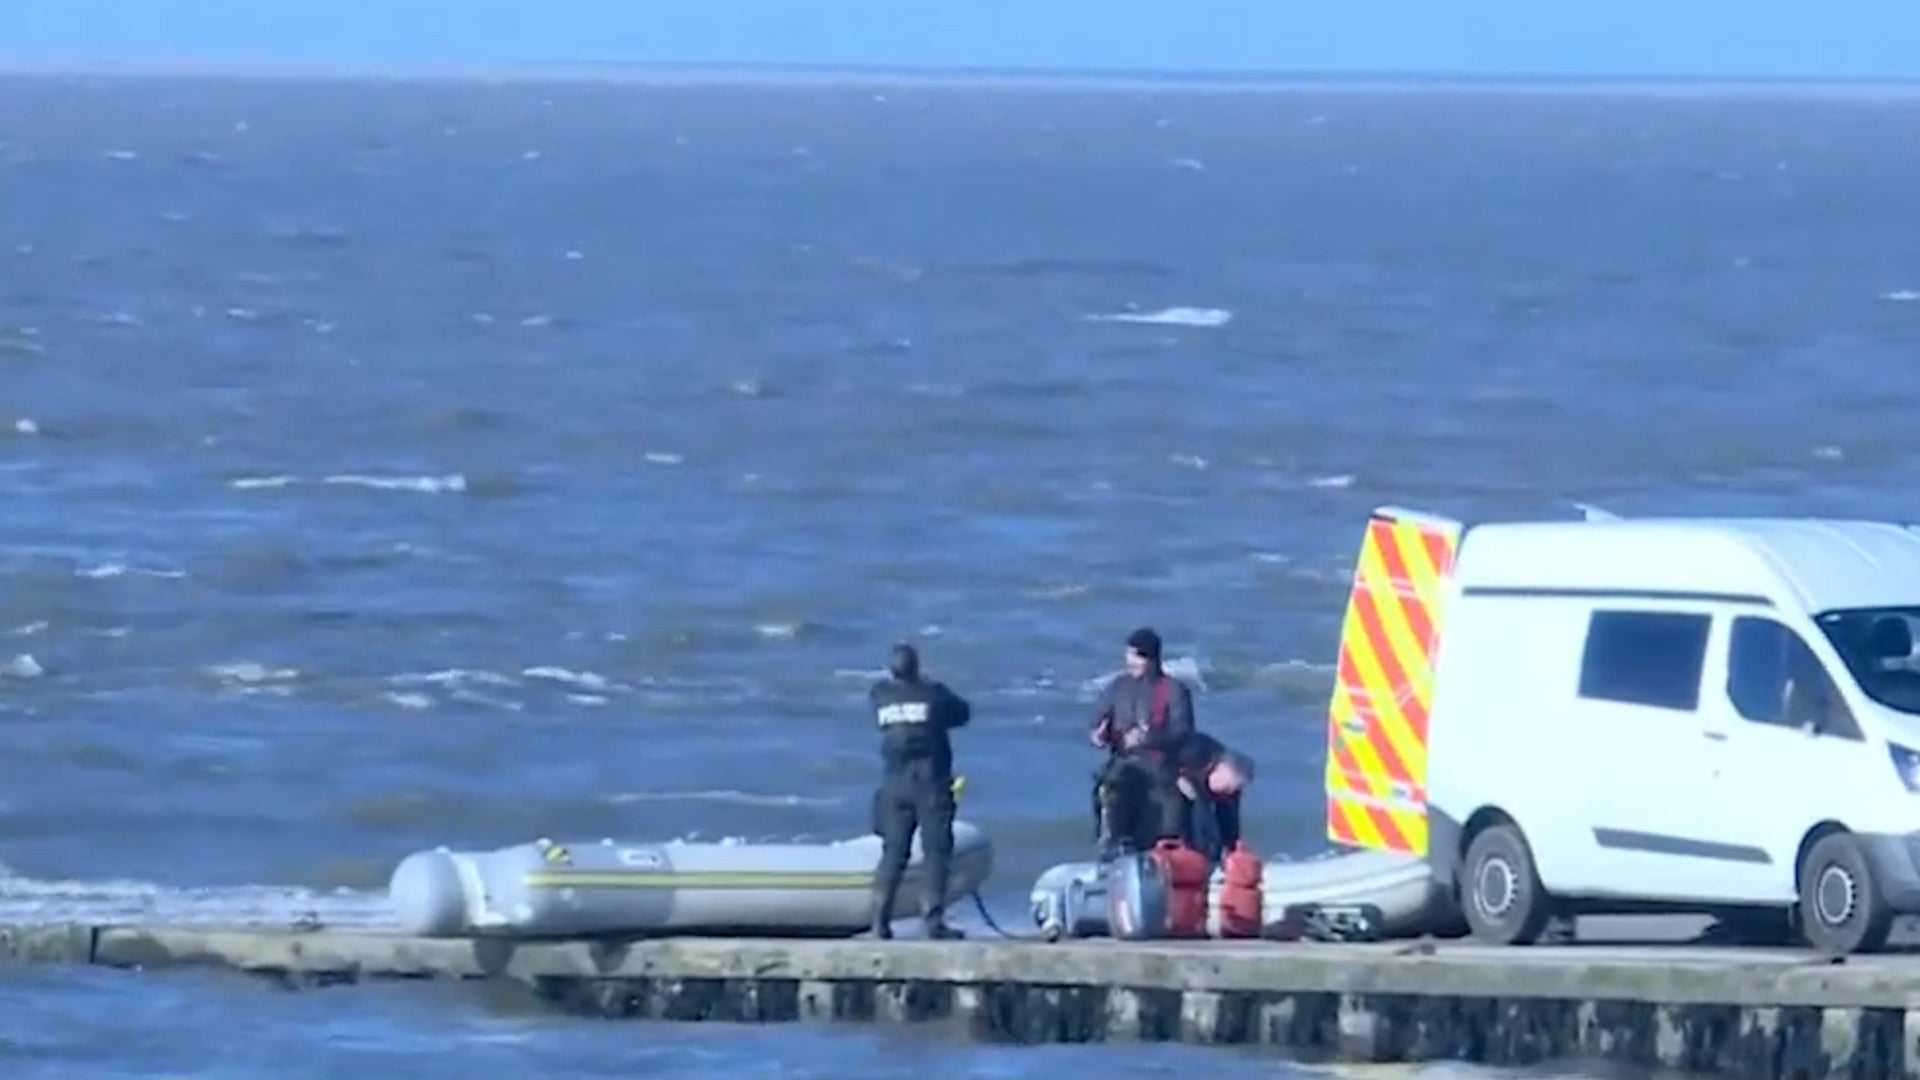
pixel 986 916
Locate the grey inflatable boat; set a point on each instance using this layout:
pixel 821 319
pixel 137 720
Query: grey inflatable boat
pixel 600 887
pixel 1394 894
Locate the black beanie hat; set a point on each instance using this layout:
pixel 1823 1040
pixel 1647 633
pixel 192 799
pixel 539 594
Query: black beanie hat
pixel 1145 642
pixel 904 664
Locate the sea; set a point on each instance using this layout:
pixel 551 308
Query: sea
pixel 388 463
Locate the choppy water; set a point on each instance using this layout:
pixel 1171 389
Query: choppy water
pixel 390 465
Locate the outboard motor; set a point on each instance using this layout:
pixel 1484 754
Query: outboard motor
pixel 1070 901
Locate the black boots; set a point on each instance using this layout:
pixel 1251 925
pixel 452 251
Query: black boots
pixel 935 922
pixel 883 895
pixel 936 930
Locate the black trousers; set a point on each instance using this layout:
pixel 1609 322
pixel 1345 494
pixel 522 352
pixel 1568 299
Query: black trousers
pixel 914 797
pixel 1137 803
pixel 1212 823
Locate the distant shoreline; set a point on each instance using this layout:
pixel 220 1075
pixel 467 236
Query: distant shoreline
pixel 643 74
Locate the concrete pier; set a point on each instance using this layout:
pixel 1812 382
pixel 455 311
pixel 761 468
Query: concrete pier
pixel 1755 1014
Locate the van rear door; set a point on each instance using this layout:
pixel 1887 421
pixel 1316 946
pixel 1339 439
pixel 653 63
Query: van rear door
pixel 1376 776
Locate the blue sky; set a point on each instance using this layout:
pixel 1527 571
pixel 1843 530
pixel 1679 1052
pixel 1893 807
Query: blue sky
pixel 1710 38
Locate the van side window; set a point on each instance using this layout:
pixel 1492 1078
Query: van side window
pixel 1774 678
pixel 1645 658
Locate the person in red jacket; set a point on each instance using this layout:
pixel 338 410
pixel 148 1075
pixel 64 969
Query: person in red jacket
pixel 1142 716
pixel 1143 712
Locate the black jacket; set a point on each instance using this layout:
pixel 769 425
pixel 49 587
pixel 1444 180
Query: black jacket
pixel 914 719
pixel 1128 702
pixel 1214 824
pixel 1195 756
pixel 1214 820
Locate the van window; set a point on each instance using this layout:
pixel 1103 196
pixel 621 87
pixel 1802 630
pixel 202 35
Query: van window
pixel 1774 678
pixel 1877 645
pixel 1645 658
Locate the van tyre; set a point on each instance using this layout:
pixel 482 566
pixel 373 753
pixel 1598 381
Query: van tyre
pixel 1500 892
pixel 1842 909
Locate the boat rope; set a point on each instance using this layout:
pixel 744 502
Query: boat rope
pixel 980 904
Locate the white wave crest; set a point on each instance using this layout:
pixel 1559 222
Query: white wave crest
pixel 1187 669
pixel 455 677
pixel 724 795
pixel 583 680
pixel 1206 318
pixel 425 485
pixel 117 569
pixel 124 902
pixel 250 673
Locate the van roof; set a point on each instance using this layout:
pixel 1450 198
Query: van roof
pixel 1814 563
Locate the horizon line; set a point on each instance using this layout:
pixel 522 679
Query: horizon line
pixel 868 75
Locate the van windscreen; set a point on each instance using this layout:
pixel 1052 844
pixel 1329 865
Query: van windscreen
pixel 1877 645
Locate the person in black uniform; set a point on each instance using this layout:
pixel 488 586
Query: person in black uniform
pixel 1142 716
pixel 916 786
pixel 1210 777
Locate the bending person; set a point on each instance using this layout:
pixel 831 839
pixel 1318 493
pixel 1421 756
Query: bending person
pixel 1210 777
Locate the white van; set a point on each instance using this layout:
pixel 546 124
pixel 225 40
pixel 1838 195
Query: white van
pixel 1628 716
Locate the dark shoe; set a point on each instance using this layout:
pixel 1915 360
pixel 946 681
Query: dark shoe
pixel 881 909
pixel 939 931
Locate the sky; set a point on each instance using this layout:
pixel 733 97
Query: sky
pixel 1796 39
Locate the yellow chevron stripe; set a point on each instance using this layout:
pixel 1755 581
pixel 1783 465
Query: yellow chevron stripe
pixel 1408 650
pixel 1359 827
pixel 1413 826
pixel 1374 782
pixel 1370 719
pixel 1428 580
pixel 1350 822
pixel 1388 722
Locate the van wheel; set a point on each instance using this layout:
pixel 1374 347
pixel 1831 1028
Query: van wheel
pixel 1841 907
pixel 1500 892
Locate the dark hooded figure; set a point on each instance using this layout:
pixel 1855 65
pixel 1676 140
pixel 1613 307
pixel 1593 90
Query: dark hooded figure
pixel 914 715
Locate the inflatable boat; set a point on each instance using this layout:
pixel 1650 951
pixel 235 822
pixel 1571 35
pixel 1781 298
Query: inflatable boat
pixel 605 887
pixel 1373 894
